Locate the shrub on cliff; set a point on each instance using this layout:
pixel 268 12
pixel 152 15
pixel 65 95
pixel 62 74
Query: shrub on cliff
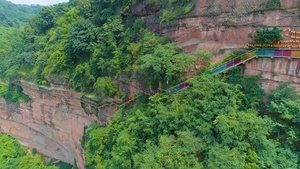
pixel 34 151
pixel 165 64
pixel 267 37
pixel 83 41
pixel 13 94
pixel 284 108
pixel 14 155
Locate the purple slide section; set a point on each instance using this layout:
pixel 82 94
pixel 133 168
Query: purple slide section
pixel 229 64
pixel 278 53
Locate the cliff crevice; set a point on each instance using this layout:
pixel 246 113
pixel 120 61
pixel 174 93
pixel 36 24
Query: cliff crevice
pixel 51 124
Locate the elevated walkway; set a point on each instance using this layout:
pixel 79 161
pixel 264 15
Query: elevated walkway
pixel 273 53
pixel 234 62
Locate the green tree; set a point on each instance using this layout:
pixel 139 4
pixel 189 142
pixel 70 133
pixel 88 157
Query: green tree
pixel 84 7
pixel 16 15
pixel 14 155
pixel 58 60
pixel 10 61
pixel 44 20
pixel 250 86
pixel 105 85
pixel 95 148
pixel 172 10
pixel 166 64
pixel 111 56
pixel 203 126
pixel 82 77
pixel 284 107
pixel 80 41
pixel 204 55
pixel 13 94
pixel 266 36
pixel 29 58
pixel 34 151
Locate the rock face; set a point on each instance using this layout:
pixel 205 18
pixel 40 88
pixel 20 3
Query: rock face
pixel 53 125
pixel 220 25
pixel 215 25
pixel 275 71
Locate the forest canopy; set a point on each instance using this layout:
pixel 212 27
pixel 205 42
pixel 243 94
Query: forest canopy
pixel 84 41
pixel 218 122
pixel 13 15
pixel 14 155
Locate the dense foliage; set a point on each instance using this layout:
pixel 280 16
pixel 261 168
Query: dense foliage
pixel 267 37
pixel 174 9
pixel 13 94
pixel 215 123
pixel 218 122
pixel 14 155
pixel 12 15
pixel 62 165
pixel 12 18
pixel 87 42
pixel 205 55
pixel 284 109
pixel 10 43
pixel 166 63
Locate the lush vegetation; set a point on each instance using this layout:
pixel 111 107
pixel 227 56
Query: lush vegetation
pixel 218 122
pixel 13 94
pixel 10 43
pixel 89 43
pixel 12 18
pixel 172 10
pixel 61 165
pixel 12 15
pixel 266 36
pixel 14 155
pixel 206 55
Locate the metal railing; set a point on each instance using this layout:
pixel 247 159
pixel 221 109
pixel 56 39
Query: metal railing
pixel 287 53
pixel 232 63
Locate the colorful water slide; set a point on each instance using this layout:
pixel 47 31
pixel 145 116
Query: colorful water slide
pixel 234 62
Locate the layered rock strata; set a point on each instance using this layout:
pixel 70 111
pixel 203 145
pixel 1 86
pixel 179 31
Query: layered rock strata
pixel 222 24
pixel 53 125
pixel 275 71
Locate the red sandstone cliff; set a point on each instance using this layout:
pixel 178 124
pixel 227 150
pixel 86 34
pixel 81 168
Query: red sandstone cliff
pixel 275 71
pixel 54 125
pixel 221 25
pixel 216 25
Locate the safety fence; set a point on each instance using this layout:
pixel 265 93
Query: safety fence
pixel 290 41
pixel 132 98
pixel 232 63
pixel 253 54
pixel 45 90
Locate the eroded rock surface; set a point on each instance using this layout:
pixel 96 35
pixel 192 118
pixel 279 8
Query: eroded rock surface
pixel 53 125
pixel 275 71
pixel 216 25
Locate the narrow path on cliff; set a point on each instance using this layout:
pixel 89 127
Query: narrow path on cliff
pixel 273 53
pixel 232 63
